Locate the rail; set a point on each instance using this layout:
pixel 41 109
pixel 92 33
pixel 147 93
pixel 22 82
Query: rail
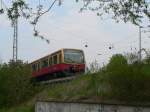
pixel 59 80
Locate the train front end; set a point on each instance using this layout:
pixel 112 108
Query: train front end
pixel 73 61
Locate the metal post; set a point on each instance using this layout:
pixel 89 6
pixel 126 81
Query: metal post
pixel 15 37
pixel 140 56
pixel 15 41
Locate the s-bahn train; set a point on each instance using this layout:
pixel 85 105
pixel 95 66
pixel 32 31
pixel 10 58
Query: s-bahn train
pixel 62 63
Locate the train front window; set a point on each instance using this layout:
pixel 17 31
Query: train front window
pixel 73 56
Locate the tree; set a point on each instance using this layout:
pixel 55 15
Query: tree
pixel 20 8
pixel 126 10
pixel 133 11
pixel 117 62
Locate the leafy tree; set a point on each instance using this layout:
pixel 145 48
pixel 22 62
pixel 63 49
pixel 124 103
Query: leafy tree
pixel 128 82
pixel 116 62
pixel 20 8
pixel 126 10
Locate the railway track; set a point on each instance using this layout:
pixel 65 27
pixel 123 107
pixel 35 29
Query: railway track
pixel 59 80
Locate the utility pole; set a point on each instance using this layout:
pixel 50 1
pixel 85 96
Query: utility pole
pixel 15 29
pixel 15 36
pixel 15 40
pixel 140 45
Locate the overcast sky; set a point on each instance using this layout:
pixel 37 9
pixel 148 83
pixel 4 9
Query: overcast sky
pixel 65 27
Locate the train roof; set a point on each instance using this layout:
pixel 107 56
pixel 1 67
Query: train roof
pixel 54 53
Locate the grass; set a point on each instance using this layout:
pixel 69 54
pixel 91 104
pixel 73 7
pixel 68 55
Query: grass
pixel 118 81
pixel 22 108
pixel 84 87
pixel 92 87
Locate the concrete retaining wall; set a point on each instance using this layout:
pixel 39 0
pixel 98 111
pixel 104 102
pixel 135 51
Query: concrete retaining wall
pixel 86 107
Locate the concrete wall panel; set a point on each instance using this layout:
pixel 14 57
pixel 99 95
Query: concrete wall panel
pixel 86 107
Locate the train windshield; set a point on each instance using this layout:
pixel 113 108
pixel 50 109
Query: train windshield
pixel 73 56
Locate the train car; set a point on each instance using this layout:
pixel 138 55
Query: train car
pixel 63 63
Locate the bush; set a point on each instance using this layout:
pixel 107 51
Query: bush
pixel 117 63
pixel 128 82
pixel 15 85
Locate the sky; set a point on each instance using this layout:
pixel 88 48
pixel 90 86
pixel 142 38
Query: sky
pixel 66 27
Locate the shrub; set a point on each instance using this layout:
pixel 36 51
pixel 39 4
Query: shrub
pixel 117 63
pixel 128 82
pixel 15 85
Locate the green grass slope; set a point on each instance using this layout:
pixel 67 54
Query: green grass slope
pixel 116 82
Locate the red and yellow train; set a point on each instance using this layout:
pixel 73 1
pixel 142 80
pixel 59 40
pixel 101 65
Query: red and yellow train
pixel 64 62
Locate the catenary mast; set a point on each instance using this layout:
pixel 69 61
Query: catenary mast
pixel 15 35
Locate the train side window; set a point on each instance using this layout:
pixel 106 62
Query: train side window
pixel 45 63
pixel 50 61
pixel 34 67
pixel 55 59
pixel 38 66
